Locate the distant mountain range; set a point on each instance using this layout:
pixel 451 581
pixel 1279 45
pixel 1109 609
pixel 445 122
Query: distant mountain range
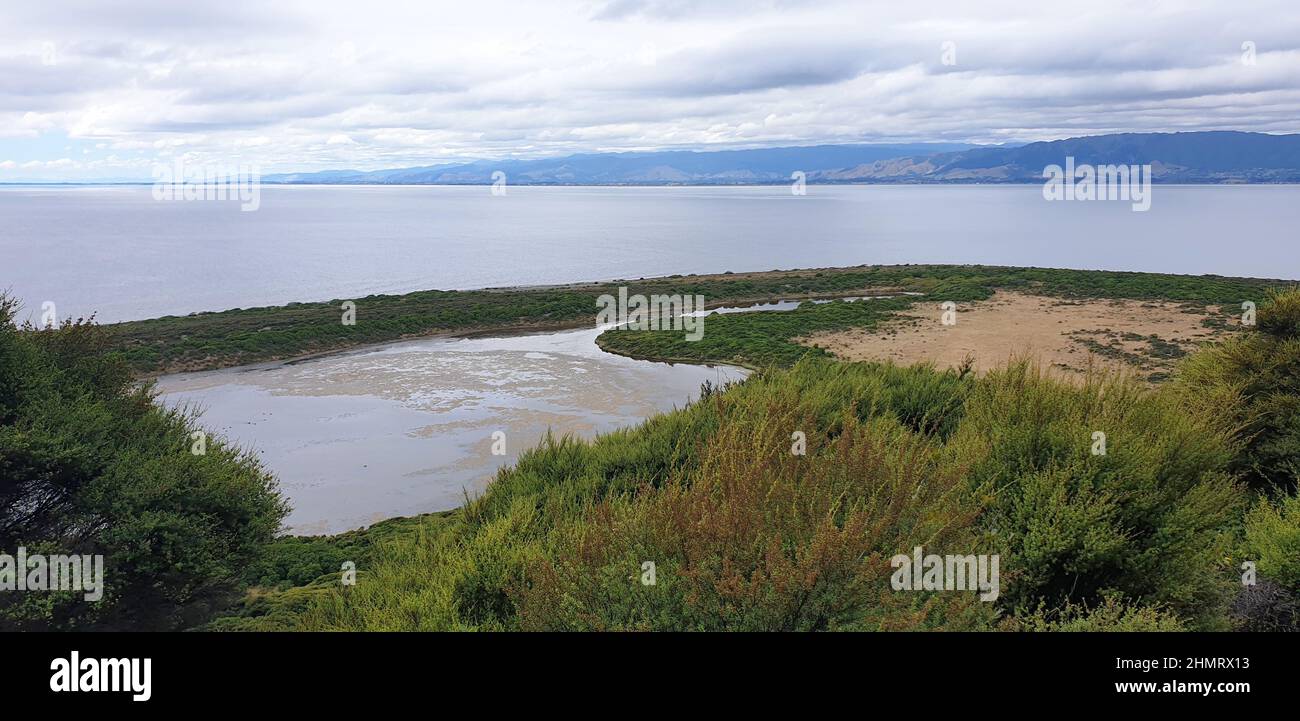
pixel 767 165
pixel 1195 157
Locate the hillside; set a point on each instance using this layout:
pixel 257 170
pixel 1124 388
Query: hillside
pixel 1209 157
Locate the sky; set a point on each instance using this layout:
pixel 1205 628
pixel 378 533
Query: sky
pixel 108 90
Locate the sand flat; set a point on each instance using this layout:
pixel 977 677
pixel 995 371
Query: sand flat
pixel 1147 336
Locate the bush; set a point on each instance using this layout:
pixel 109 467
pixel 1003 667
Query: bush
pixel 1151 519
pixel 90 465
pixel 1280 317
pixel 760 539
pixel 1273 541
pixel 1262 368
pixel 1112 614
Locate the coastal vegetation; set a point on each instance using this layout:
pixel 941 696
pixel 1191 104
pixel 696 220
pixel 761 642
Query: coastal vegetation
pixel 775 503
pixel 761 339
pixel 1263 369
pixel 202 341
pixel 746 534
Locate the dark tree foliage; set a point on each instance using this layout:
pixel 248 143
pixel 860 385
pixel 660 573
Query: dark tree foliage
pixel 89 464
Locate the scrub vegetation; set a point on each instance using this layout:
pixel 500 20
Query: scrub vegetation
pixel 745 534
pixel 775 503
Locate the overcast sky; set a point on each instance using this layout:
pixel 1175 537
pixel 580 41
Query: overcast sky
pixel 108 89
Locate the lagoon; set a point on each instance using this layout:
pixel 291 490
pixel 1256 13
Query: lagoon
pixel 410 427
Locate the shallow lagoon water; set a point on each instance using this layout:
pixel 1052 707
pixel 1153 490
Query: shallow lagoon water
pixel 408 428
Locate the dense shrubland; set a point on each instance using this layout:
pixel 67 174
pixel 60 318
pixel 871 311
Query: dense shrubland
pixel 1261 370
pixel 747 535
pixel 1197 478
pixel 1149 521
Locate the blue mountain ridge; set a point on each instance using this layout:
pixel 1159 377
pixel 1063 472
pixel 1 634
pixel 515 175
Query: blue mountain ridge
pixel 1185 157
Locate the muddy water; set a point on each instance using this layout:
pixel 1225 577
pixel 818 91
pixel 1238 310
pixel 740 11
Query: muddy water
pixel 408 428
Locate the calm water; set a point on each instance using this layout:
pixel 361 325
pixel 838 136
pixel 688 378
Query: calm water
pixel 117 252
pixel 408 428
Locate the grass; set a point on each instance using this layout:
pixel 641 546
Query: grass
pixel 754 339
pixel 297 570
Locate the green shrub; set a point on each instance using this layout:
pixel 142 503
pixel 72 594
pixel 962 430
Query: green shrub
pixel 1273 540
pixel 90 465
pixel 1262 368
pixel 1111 614
pixel 1280 316
pixel 1151 519
pixel 760 539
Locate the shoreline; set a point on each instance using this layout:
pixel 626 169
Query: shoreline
pixel 506 332
pixel 302 331
pixel 472 331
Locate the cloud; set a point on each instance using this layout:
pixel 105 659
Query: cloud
pixel 307 85
pixel 681 9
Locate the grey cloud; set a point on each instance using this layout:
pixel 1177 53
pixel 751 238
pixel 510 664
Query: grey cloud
pixel 749 63
pixel 157 19
pixel 679 9
pixel 26 79
pixel 511 79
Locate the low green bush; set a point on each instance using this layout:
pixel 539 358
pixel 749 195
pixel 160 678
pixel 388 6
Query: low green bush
pixel 1151 519
pixel 1272 540
pixel 1262 368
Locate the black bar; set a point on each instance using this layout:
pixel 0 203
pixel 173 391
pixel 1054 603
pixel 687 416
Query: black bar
pixel 934 672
